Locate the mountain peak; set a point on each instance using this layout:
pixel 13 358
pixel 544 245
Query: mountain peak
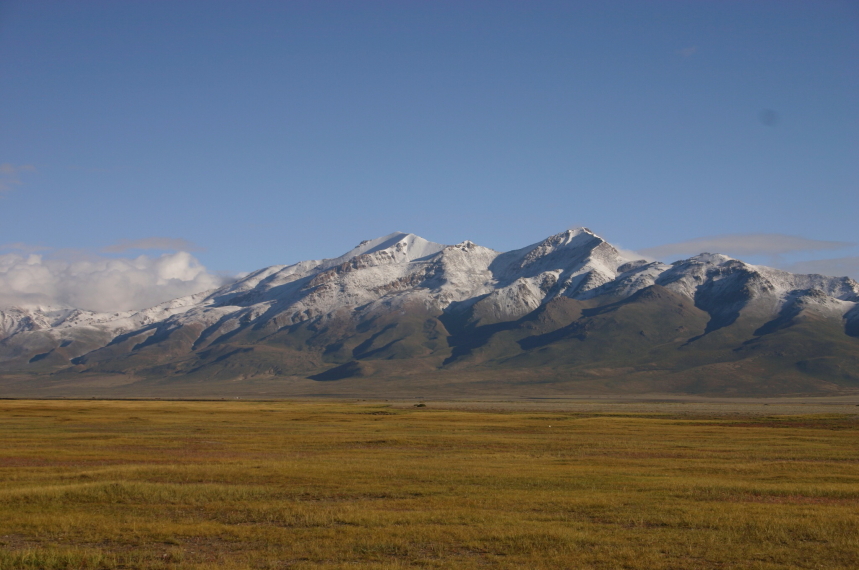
pixel 410 246
pixel 713 258
pixel 569 245
pixel 581 230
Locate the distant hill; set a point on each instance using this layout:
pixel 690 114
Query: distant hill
pixel 402 316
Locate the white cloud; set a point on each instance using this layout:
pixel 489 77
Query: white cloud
pixel 9 175
pixel 634 254
pixel 687 52
pixel 99 283
pixel 9 169
pixel 739 245
pixel 838 267
pixel 161 243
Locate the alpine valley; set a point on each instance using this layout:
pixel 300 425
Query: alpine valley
pixel 400 316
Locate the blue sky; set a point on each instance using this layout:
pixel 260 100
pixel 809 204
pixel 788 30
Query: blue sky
pixel 261 133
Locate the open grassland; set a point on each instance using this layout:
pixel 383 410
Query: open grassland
pixel 123 484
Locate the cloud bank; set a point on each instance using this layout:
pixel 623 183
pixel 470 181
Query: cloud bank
pixel 739 245
pixel 99 283
pixel 838 267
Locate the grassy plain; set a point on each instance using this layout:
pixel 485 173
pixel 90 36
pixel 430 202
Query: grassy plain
pixel 134 484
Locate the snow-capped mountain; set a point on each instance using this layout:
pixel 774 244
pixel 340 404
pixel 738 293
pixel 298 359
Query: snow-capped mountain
pixel 400 298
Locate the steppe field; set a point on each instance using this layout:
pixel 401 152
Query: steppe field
pixel 375 484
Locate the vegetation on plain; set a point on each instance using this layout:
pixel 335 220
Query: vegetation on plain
pixel 240 484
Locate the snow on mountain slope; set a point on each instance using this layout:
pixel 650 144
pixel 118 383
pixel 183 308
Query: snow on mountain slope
pixel 723 279
pixel 393 271
pixel 632 277
pixel 64 325
pixel 575 263
pixel 404 247
pixel 18 319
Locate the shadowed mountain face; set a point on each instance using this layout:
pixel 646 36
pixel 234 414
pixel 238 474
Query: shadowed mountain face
pixel 570 314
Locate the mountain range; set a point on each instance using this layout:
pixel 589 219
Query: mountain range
pixel 403 316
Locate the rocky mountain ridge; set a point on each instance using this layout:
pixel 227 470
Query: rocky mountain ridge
pixel 400 306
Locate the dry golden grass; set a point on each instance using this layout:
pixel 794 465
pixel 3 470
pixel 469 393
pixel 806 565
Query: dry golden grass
pixel 126 484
